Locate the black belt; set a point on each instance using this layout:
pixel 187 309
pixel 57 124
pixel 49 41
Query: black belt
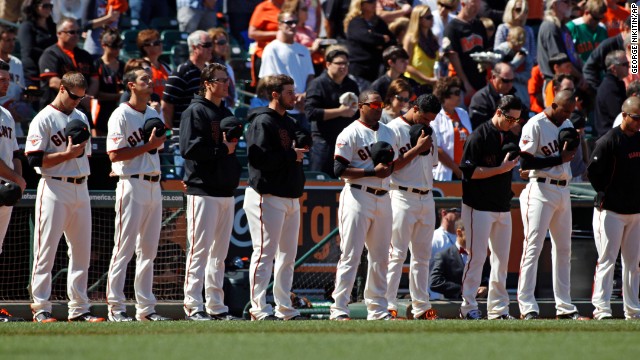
pixel 376 192
pixel 414 190
pixel 552 181
pixel 152 178
pixel 79 180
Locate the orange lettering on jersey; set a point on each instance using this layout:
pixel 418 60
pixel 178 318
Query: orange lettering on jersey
pixel 471 42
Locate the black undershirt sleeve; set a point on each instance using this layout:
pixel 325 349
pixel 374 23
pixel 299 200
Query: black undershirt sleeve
pixel 530 162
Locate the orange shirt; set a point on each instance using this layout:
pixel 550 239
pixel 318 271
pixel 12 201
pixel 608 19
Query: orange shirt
pixel 159 76
pixel 265 18
pixel 460 135
pixel 534 87
pixel 118 5
pixel 614 18
pixel 549 94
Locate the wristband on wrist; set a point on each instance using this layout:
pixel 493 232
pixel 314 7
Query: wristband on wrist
pixel 370 172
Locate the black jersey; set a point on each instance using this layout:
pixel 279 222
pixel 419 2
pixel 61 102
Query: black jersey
pixel 483 148
pixel 614 172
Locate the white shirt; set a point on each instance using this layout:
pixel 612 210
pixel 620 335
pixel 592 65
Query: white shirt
pixel 291 59
pixel 125 130
pixel 417 173
pixel 442 240
pixel 443 131
pixel 353 145
pixel 46 134
pixel 16 75
pixel 540 139
pixel 8 141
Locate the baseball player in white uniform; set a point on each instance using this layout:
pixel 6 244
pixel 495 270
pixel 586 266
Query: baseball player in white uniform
pixel 271 202
pixel 413 208
pixel 364 212
pixel 614 172
pixel 545 204
pixel 62 203
pixel 10 165
pixel 138 199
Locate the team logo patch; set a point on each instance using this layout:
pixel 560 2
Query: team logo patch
pixel 34 139
pixel 340 145
pixel 116 137
pixel 526 139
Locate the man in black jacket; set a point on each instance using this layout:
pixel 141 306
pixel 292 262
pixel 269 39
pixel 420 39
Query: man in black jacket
pixel 485 102
pixel 594 67
pixel 276 181
pixel 614 173
pixel 611 92
pixel 212 173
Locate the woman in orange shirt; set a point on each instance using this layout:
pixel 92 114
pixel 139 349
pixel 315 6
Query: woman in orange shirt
pixel 150 46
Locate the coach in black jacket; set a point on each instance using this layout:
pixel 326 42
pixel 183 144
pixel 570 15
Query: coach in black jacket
pixel 212 173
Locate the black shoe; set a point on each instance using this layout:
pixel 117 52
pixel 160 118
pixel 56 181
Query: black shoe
pixel 87 317
pixel 224 317
pixel 474 314
pixel 270 318
pixel 298 317
pixel 199 316
pixel 530 316
pixel 572 316
pixel 6 317
pixel 156 317
pixel 342 317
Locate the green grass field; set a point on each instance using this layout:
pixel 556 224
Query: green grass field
pixel 326 340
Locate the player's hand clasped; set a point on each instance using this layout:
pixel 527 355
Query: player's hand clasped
pixel 231 145
pixel 74 150
pixel 299 152
pixel 508 165
pixel 567 155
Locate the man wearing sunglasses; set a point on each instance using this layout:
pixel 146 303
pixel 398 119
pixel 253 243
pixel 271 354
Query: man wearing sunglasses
pixel 63 57
pixel 62 200
pixel 545 204
pixel 485 102
pixel 413 207
pixel 365 209
pixel 486 208
pixel 611 93
pixel 614 172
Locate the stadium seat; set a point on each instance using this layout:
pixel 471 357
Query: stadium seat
pixel 127 23
pixel 173 37
pixel 241 113
pixel 164 23
pixel 179 54
pixel 130 49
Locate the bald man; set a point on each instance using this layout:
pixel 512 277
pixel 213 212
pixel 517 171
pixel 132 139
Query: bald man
pixel 614 172
pixel 546 205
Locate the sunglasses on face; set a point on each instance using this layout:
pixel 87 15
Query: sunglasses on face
pixel 153 43
pixel 206 45
pixel 634 117
pixel 221 42
pixel 71 32
pixel 220 80
pixel 291 22
pixel 428 17
pixel 448 7
pixel 375 105
pixel 47 6
pixel 75 97
pixel 402 99
pixel 506 81
pixel 509 118
pixel 455 92
pixel 341 63
pixel 114 46
pixel 626 63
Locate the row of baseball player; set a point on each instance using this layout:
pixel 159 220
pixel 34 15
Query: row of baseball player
pixel 386 205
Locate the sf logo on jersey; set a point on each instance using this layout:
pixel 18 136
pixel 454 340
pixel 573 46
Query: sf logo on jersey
pixel 285 139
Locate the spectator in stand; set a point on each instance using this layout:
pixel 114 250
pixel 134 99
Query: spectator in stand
pixel 12 101
pixel 451 127
pixel 239 14
pixel 422 47
pixel 145 10
pixel 560 81
pixel 515 15
pixel 611 92
pixel 396 59
pixel 390 10
pixel 397 100
pixel 96 18
pixel 184 81
pixel 37 32
pixel 285 56
pixel 443 14
pixel 587 31
pixel 534 88
pixel 445 235
pixel 263 28
pixel 594 67
pixel 464 36
pixel 614 17
pixel 110 72
pixel 196 14
pixel 489 27
pixel 399 29
pixel 334 13
pixel 304 35
pixel 220 53
pixel 560 64
pixel 261 98
pixel 150 47
pixel 555 38
pixel 485 102
pixel 367 36
pixel 633 89
pixel 63 57
pixel 327 115
pixel 514 53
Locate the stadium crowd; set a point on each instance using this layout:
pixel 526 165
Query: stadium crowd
pixel 479 74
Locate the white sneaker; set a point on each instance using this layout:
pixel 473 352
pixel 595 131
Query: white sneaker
pixel 120 317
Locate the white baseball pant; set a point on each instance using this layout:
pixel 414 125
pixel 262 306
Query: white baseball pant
pixel 5 218
pixel 61 208
pixel 492 230
pixel 209 225
pixel 545 206
pixel 137 229
pixel 364 220
pixel 413 225
pixel 274 223
pixel 615 232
